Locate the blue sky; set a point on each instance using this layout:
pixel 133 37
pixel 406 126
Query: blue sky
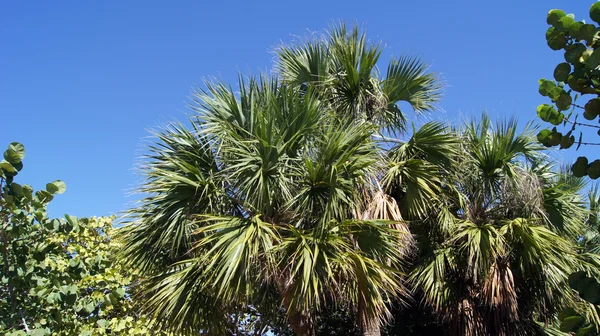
pixel 82 82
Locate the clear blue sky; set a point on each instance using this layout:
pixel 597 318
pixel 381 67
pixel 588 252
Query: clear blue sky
pixel 81 82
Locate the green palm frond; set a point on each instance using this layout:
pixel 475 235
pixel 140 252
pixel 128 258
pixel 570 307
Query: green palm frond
pixel 594 206
pixel 498 244
pixel 415 169
pixel 433 142
pixel 481 244
pixel 342 66
pixel 354 60
pixel 364 255
pixel 496 148
pixel 260 199
pixel 308 62
pixel 416 182
pixel 236 255
pixel 543 260
pixel 432 276
pixel 176 299
pixel 181 179
pixel 565 211
pixel 341 160
pixel 538 246
pixel 407 80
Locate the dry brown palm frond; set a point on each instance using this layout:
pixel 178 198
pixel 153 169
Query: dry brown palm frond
pixel 471 321
pixel 380 205
pixel 500 296
pixel 522 195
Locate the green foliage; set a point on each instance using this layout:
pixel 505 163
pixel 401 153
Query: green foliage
pixel 272 194
pixel 573 321
pixel 58 276
pixel 495 251
pixel 578 76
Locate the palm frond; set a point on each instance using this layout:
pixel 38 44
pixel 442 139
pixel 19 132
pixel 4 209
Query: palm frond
pixel 481 244
pixel 432 277
pixel 544 258
pixel 342 159
pixel 408 80
pixel 416 182
pixel 237 255
pixel 181 179
pixel 307 62
pixel 177 300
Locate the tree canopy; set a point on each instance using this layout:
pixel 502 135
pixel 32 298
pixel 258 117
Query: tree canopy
pixel 59 276
pixel 577 77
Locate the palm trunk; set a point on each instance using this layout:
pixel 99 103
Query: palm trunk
pixel 301 324
pixel 371 330
pixel 368 327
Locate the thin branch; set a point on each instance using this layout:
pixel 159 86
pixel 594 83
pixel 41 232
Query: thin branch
pixel 24 324
pixel 579 106
pixel 581 124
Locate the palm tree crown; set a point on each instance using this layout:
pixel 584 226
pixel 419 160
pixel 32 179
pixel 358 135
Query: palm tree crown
pixel 274 192
pixel 496 258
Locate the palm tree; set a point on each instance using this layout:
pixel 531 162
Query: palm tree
pixel 274 193
pixel 260 197
pixel 341 69
pixel 494 258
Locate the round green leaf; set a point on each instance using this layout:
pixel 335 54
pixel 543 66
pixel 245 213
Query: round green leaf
pixel 589 329
pixel 576 83
pixel 567 141
pixel 564 101
pixel 15 153
pixel 555 139
pixel 592 109
pixel 595 12
pixel 593 171
pixel 579 168
pixel 102 323
pixel 554 15
pixel 584 58
pixel 575 28
pixel 574 52
pixel 16 189
pixel 546 86
pixel 587 32
pixel 11 156
pixel 594 60
pixel 544 111
pixel 18 166
pixel 568 311
pixel 53 225
pixel 574 278
pixel 119 293
pixel 555 39
pixel 555 93
pixel 56 187
pixel 543 135
pixel 7 167
pixel 565 22
pixel 44 196
pixel 562 71
pixel 549 114
pixel 18 148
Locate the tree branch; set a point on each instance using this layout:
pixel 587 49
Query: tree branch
pixel 581 124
